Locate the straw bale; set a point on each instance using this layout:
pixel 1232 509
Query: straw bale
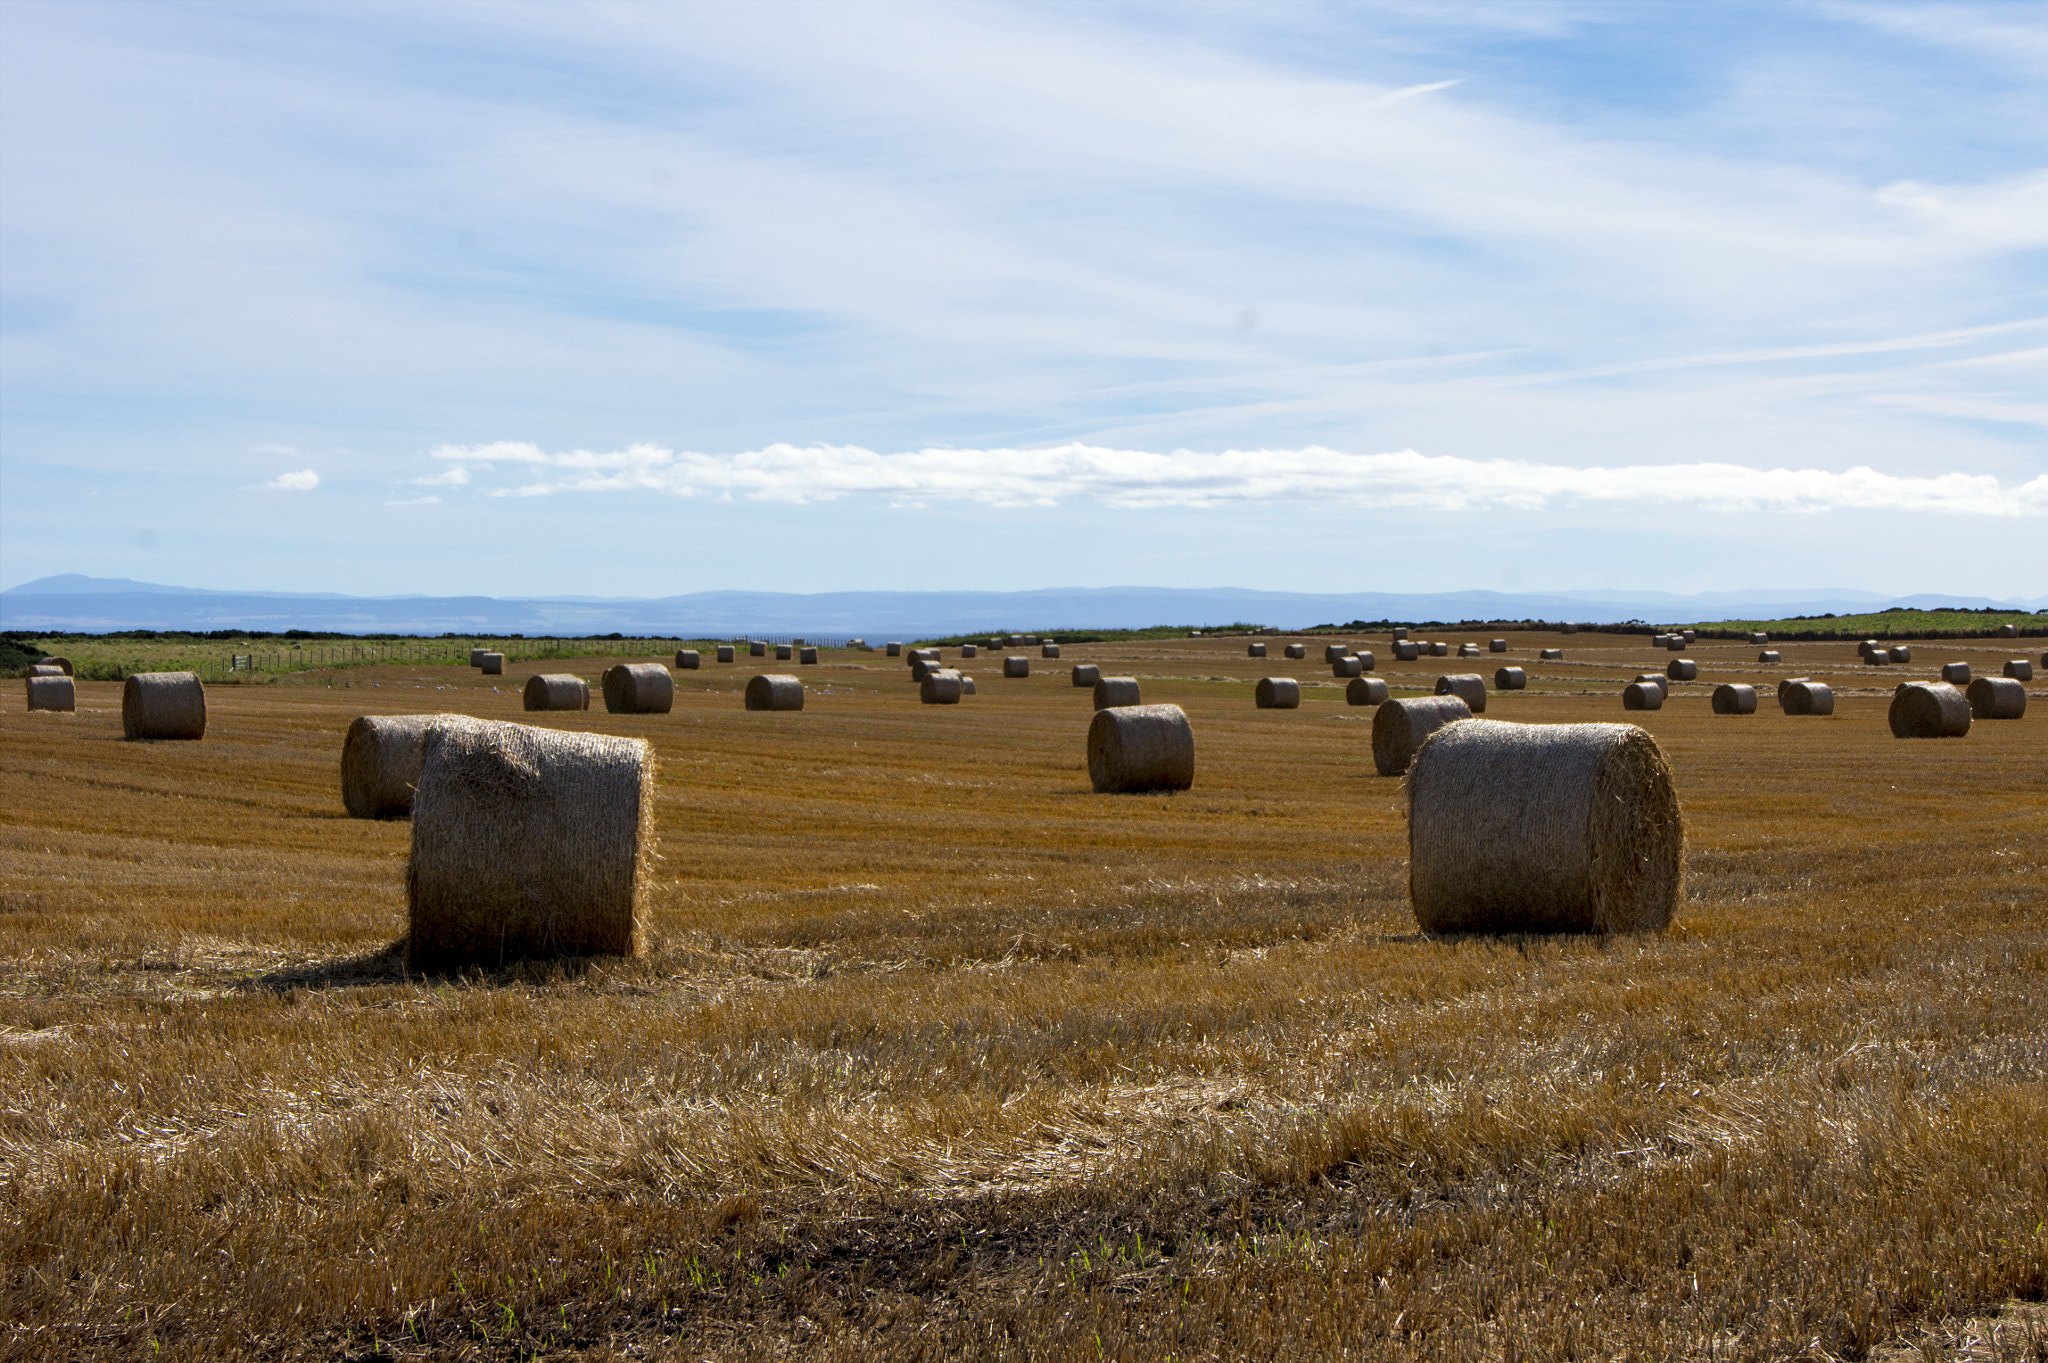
pixel 1277 693
pixel 1366 691
pixel 1901 653
pixel 776 691
pixel 1347 667
pixel 1510 679
pixel 1295 650
pixel 797 642
pixel 1656 679
pixel 1734 698
pixel 725 653
pixel 1332 652
pixel 1468 650
pixel 687 660
pixel 1497 646
pixel 1543 828
pixel 757 648
pixel 1675 644
pixel 163 705
pixel 1998 698
pixel 1759 638
pixel 1769 655
pixel 57 692
pixel 1016 665
pixel 1469 687
pixel 1638 695
pixel 1865 647
pixel 1691 635
pixel 1013 641
pixel 1877 657
pixel 1400 726
pixel 966 685
pixel 1406 650
pixel 921 667
pixel 941 686
pixel 1366 661
pixel 42 670
pixel 807 656
pixel 381 757
pixel 1030 641
pixel 493 664
pixel 61 664
pixel 528 843
pixel 1550 655
pixel 556 691
pixel 785 653
pixel 1113 692
pixel 1787 684
pixel 638 689
pixel 1439 649
pixel 1683 669
pixel 1806 698
pixel 1133 748
pixel 2044 660
pixel 476 656
pixel 1929 710
pixel 1254 650
pixel 1400 632
pixel 1086 674
pixel 969 651
pixel 1956 674
pixel 2008 631
pixel 1048 650
pixel 2021 669
pixel 893 649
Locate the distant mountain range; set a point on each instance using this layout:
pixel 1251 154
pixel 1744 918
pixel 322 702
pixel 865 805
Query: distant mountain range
pixel 71 602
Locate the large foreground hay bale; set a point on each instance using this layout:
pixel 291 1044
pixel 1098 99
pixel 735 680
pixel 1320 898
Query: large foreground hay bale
pixel 381 758
pixel 1400 726
pixel 163 705
pixel 1997 698
pixel 528 843
pixel 1542 828
pixel 2020 669
pixel 1769 655
pixel 1406 650
pixel 1016 665
pixel 493 664
pixel 1550 655
pixel 1347 667
pixel 1510 679
pixel 56 692
pixel 1140 747
pixel 1294 651
pixel 725 653
pixel 1277 693
pixel 1114 692
pixel 687 660
pixel 778 691
pixel 1086 674
pixel 1683 669
pixel 1469 687
pixel 638 689
pixel 1956 674
pixel 1929 710
pixel 556 691
pixel 1641 695
pixel 1366 691
pixel 1806 698
pixel 1734 698
pixel 1254 650
pixel 941 686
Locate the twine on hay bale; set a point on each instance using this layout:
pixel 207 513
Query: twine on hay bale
pixel 1294 650
pixel 1254 650
pixel 1956 674
pixel 1277 693
pixel 168 705
pixel 687 660
pixel 1086 674
pixel 941 686
pixel 1734 698
pixel 1640 695
pixel 1114 692
pixel 1016 665
pixel 1683 669
pixel 1550 655
pixel 493 664
pixel 1366 691
pixel 528 843
pixel 777 691
pixel 1806 698
pixel 807 655
pixel 1928 710
pixel 1510 679
pixel 638 689
pixel 1347 667
pixel 1543 828
pixel 1997 698
pixel 1400 726
pixel 2020 669
pixel 1133 748
pixel 1406 650
pixel 51 692
pixel 1469 687
pixel 725 653
pixel 1769 655
pixel 556 691
pixel 381 757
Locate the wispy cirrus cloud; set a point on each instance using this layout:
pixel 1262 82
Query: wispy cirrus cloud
pixel 1191 479
pixel 302 480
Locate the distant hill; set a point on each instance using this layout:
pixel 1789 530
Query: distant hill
pixel 71 602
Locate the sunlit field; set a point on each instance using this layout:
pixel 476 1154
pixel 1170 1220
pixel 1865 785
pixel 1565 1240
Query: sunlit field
pixel 936 1053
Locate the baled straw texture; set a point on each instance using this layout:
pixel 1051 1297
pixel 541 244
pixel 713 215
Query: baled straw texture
pixel 43 670
pixel 1656 679
pixel 1016 665
pixel 807 655
pixel 725 653
pixel 1254 650
pixel 1347 667
pixel 1086 674
pixel 1366 661
pixel 687 660
pixel 1468 650
pixel 1901 653
pixel 1134 748
pixel 1787 684
pixel 1543 828
pixel 528 843
pixel 476 656
pixel 1676 643
pixel 1734 698
pixel 1294 650
pixel 1510 679
pixel 968 651
pixel 1683 669
pixel 1366 691
pixel 1806 698
pixel 1877 657
pixel 556 691
pixel 1956 674
pixel 163 705
pixel 784 653
pixel 1439 649
pixel 57 692
pixel 1048 650
pixel 1277 693
pixel 2020 669
pixel 921 667
pixel 1400 632
pixel 638 689
pixel 1639 695
pixel 1498 646
pixel 1759 639
pixel 893 649
pixel 757 648
pixel 1469 687
pixel 941 686
pixel 1112 692
pixel 62 665
pixel 1550 655
pixel 966 685
pixel 1769 655
pixel 1406 650
pixel 381 759
pixel 1929 710
pixel 494 664
pixel 1998 698
pixel 778 691
pixel 1332 652
pixel 1400 726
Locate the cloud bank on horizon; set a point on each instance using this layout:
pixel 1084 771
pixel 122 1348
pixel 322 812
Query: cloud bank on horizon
pixel 1659 290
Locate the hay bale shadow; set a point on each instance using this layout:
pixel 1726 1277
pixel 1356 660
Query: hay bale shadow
pixel 387 965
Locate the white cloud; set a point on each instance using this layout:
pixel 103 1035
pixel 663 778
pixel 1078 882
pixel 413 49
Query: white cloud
pixel 455 477
pixel 304 480
pixel 1185 478
pixel 428 500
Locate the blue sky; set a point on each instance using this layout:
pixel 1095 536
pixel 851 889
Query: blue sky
pixel 623 299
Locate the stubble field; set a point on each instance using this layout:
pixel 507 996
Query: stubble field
pixel 938 1054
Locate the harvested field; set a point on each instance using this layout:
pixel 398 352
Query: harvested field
pixel 934 1052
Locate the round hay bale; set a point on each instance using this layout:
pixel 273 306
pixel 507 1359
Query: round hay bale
pixel 1013 641
pixel 528 843
pixel 1997 698
pixel 1543 828
pixel 556 691
pixel 2020 669
pixel 1642 696
pixel 1439 649
pixel 994 644
pixel 2008 631
pixel 941 686
pixel 1806 698
pixel 1086 674
pixel 1254 650
pixel 1468 650
pixel 1498 646
pixel 1929 710
pixel 725 653
pixel 1956 674
pixel 785 653
pixel 969 651
pixel 687 660
pixel 1048 650
pixel 1469 687
pixel 61 664
pixel 638 689
pixel 1016 665
pixel 893 649
pixel 1366 691
pixel 2044 662
pixel 922 667
pixel 1550 655
pixel 777 691
pixel 1277 693
pixel 1332 652
pixel 1656 679
pixel 1510 679
pixel 1759 639
pixel 1900 653
pixel 1877 657
pixel 807 656
pixel 53 692
pixel 1400 726
pixel 1294 650
pixel 1406 650
pixel 966 685
pixel 476 656
pixel 757 648
pixel 1366 661
pixel 493 664
pixel 1031 641
pixel 1866 647
pixel 1115 692
pixel 798 642
pixel 1769 655
pixel 1787 684
pixel 1347 667
pixel 1683 669
pixel 1733 698
pixel 381 757
pixel 1691 635
pixel 42 670
pixel 1134 748
pixel 930 655
pixel 1399 632
pixel 163 705
pixel 1675 644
